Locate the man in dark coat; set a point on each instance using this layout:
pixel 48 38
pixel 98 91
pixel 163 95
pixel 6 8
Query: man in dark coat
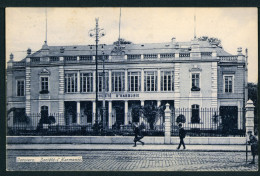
pixel 182 134
pixel 253 142
pixel 138 135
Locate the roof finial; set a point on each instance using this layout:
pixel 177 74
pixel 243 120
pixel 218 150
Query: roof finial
pixel 194 23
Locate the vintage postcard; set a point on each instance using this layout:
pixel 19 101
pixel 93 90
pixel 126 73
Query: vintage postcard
pixel 131 89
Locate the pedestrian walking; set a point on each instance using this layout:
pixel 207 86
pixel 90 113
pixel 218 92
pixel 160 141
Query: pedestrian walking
pixel 182 134
pixel 138 135
pixel 253 142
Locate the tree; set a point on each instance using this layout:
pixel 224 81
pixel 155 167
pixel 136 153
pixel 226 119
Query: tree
pixel 180 119
pixel 252 95
pixel 136 113
pixel 122 41
pixel 150 112
pixel 211 40
pixel 252 92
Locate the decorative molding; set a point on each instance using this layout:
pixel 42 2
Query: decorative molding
pixel 195 68
pixel 228 72
pixel 44 72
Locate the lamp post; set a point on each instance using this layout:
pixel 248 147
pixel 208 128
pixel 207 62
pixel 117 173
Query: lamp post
pixel 104 93
pixel 96 33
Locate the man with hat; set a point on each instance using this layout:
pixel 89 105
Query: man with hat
pixel 138 135
pixel 182 134
pixel 253 142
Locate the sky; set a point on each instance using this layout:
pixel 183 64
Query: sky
pixel 235 27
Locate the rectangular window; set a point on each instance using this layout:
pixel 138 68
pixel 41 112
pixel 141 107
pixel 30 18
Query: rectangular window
pixel 118 81
pixel 150 81
pixel 44 83
pixel 71 82
pixel 20 88
pixel 195 82
pixel 195 118
pixel 134 81
pixel 86 82
pixel 100 82
pixel 228 81
pixel 167 80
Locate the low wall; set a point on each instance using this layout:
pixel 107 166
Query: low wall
pixel 121 140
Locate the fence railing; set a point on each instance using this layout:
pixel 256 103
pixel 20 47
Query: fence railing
pixel 209 122
pixel 197 122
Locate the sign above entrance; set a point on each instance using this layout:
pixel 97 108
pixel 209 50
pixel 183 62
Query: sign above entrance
pixel 119 95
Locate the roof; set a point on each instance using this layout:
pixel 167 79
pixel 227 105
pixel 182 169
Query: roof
pixel 128 49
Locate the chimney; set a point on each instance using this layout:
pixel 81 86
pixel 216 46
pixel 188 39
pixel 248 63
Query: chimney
pixel 239 51
pixel 11 57
pixel 29 51
pixel 173 40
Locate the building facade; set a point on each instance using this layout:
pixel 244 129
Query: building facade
pixel 61 79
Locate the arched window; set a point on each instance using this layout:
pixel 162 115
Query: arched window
pixel 195 111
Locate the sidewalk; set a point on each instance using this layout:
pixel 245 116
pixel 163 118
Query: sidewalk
pixel 127 147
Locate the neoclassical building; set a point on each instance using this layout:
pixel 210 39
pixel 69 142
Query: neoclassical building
pixel 61 79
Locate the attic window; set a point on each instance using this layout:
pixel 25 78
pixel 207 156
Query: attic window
pixel 167 45
pixel 74 47
pixel 142 45
pixel 90 47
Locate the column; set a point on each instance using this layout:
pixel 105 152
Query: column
pixel 167 133
pixel 214 85
pixel 110 80
pixel 177 85
pixel 78 82
pixel 159 80
pixel 158 103
pixel 94 81
pixel 142 102
pixel 126 113
pixel 142 80
pixel 78 112
pixel 61 117
pixel 28 90
pixel 250 116
pixel 93 112
pixel 126 83
pixel 110 115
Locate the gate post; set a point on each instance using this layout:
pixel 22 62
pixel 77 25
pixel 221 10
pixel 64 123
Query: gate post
pixel 250 116
pixel 167 125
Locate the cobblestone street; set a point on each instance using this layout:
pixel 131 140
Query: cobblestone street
pixel 134 161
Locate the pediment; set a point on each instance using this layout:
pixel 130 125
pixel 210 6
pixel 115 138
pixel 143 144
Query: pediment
pixel 44 71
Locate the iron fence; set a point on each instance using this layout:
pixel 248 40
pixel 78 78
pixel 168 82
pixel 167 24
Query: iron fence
pixel 209 121
pixel 197 122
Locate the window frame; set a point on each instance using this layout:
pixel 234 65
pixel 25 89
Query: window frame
pixel 23 80
pixel 48 83
pixel 196 108
pixel 129 81
pixel 153 82
pixel 100 87
pixel 75 82
pixel 114 78
pixel 198 73
pixel 162 74
pixel 224 83
pixel 90 76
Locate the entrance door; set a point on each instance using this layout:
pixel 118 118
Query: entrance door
pixel 229 116
pixel 120 112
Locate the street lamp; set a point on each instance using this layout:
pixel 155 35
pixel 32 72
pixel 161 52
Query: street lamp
pixel 104 92
pixel 96 33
